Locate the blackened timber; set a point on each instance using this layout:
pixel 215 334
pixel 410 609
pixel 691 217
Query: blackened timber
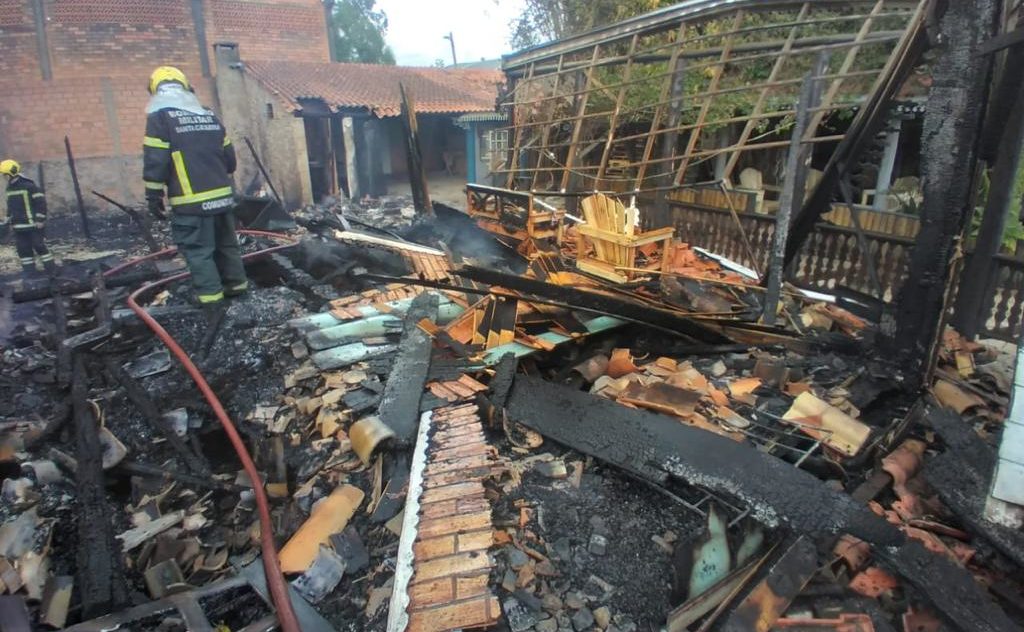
pixel 952 127
pixel 101 584
pixel 508 294
pixel 1003 40
pixel 263 170
pixel 870 120
pixel 501 383
pixel 414 155
pixel 77 287
pixel 169 475
pixel 393 497
pixel 1007 124
pixel 400 403
pixel 142 221
pixel 595 301
pixel 771 597
pixel 963 477
pixel 141 400
pixel 793 186
pixel 492 403
pixel 78 189
pixel 657 447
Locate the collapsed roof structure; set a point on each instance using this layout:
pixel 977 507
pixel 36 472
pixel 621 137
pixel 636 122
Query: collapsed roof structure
pixel 550 411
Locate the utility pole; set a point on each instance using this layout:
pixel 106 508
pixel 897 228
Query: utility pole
pixel 451 40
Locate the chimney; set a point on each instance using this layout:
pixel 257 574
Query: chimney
pixel 226 55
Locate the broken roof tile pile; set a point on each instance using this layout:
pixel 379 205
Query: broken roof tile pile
pixel 346 87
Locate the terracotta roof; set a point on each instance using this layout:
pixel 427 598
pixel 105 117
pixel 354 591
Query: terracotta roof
pixel 435 90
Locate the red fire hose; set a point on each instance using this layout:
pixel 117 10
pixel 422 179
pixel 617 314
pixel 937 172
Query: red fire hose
pixel 271 565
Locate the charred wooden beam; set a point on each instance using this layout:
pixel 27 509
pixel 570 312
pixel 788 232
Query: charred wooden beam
pixel 400 403
pixel 771 597
pixel 76 287
pixel 1006 122
pixel 494 291
pixel 142 221
pixel 952 127
pixel 151 414
pixel 868 123
pixel 414 156
pixel 793 186
pixel 596 301
pixel 657 447
pixel 963 477
pixel 78 189
pixel 101 583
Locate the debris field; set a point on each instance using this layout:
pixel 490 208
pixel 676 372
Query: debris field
pixel 549 410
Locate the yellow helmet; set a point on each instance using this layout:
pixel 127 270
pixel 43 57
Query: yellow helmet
pixel 10 168
pixel 164 74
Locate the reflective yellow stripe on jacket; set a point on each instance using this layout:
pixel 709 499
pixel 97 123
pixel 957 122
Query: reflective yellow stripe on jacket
pixel 188 196
pixel 202 196
pixel 156 143
pixel 28 208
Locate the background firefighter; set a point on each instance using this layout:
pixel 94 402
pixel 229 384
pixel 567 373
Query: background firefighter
pixel 26 214
pixel 187 152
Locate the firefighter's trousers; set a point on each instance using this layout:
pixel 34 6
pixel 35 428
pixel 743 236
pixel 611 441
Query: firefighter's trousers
pixel 211 250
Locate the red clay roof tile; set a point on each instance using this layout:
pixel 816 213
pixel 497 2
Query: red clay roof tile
pixel 375 87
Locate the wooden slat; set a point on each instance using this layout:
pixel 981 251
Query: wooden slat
pixel 706 106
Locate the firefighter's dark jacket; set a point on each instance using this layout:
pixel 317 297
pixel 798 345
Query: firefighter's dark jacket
pixel 26 204
pixel 191 155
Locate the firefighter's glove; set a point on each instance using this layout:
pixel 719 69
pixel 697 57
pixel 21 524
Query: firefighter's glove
pixel 156 208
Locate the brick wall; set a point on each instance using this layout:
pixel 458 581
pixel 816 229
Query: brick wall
pixel 290 30
pixel 101 53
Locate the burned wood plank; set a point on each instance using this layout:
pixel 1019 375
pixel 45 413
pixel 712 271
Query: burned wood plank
pixel 400 403
pixel 100 580
pixel 793 185
pixel 971 302
pixel 772 596
pixel 393 498
pixel 963 477
pixel 657 447
pixel 141 400
pixel 664 319
pixel 952 124
pixel 76 287
pixel 501 383
pixel 414 155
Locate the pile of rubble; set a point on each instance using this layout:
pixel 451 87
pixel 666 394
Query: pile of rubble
pixel 454 438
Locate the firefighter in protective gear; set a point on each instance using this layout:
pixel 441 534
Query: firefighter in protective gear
pixel 26 214
pixel 188 155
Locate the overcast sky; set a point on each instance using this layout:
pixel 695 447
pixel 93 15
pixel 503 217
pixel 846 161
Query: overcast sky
pixel 416 29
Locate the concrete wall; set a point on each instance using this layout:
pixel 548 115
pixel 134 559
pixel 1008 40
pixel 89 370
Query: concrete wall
pixel 82 70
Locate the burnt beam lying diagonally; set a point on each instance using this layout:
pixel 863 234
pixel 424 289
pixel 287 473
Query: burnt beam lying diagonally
pixel 657 447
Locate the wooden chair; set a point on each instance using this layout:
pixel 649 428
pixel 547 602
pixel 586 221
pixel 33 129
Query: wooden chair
pixel 611 228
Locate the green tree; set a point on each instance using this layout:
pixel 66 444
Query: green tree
pixel 544 20
pixel 358 29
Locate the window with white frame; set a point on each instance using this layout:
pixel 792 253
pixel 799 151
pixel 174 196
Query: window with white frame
pixel 495 146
